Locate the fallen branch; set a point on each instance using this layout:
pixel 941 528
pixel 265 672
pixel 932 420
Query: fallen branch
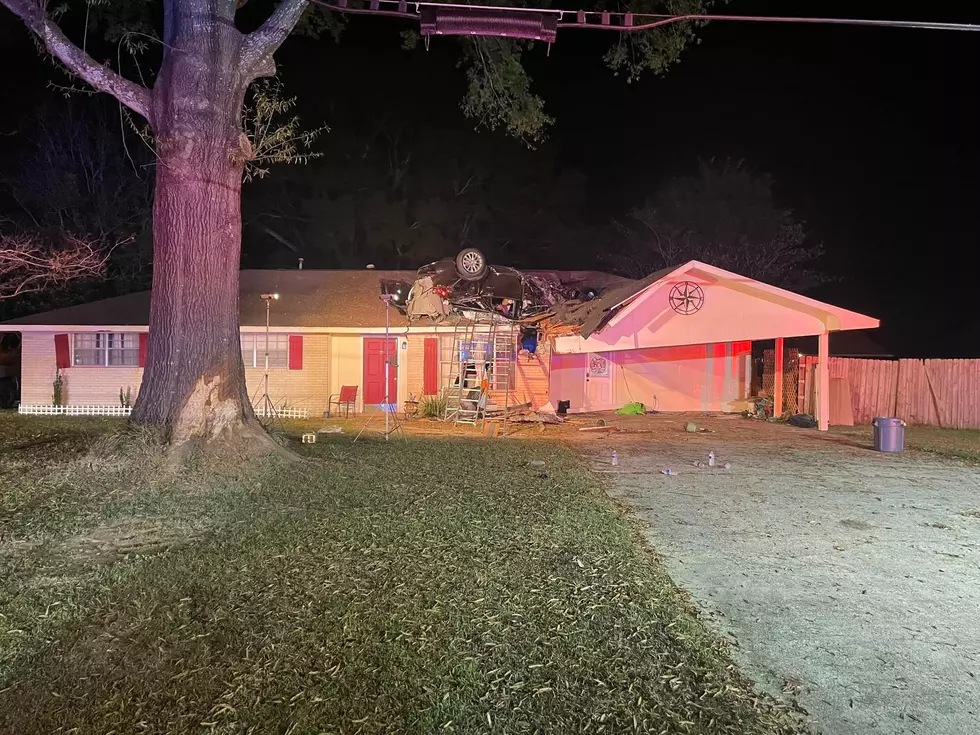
pixel 28 264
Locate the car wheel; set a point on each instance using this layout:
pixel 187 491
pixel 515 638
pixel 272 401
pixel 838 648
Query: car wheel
pixel 471 265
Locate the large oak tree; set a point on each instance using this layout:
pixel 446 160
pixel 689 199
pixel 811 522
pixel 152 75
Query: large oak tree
pixel 194 382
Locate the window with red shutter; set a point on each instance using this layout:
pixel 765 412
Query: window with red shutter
pixel 62 351
pixel 296 352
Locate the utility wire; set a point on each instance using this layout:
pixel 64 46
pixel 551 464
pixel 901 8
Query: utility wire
pixel 621 22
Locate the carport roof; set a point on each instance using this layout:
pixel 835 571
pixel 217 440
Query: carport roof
pixel 618 302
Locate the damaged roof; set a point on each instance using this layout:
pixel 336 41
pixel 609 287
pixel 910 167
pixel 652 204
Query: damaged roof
pixel 309 298
pixel 590 316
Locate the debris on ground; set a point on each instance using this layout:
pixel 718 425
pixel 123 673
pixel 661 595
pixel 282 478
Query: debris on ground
pixel 536 463
pixel 600 428
pixel 633 408
pixel 537 417
pixel 761 409
pixel 331 430
pixel 803 421
pixel 693 428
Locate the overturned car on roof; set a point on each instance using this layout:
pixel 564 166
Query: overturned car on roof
pixel 468 285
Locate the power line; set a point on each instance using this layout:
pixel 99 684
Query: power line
pixel 542 24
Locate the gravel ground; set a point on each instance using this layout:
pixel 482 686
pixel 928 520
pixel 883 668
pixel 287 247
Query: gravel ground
pixel 847 578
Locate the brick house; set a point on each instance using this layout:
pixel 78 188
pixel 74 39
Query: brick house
pixel 678 340
pixel 326 331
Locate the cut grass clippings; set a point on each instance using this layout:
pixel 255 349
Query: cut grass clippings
pixel 419 585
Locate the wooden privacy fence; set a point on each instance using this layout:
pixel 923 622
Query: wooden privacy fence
pixel 943 393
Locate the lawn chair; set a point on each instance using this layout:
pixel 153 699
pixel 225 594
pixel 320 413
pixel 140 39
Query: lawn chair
pixel 346 399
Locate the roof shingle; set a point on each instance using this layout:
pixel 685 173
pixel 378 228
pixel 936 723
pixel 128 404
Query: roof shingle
pixel 308 298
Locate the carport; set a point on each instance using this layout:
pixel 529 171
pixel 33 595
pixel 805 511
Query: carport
pixel 686 333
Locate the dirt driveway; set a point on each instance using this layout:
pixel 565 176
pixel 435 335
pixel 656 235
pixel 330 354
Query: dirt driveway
pixel 848 578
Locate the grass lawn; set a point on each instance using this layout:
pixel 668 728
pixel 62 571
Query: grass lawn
pixel 955 443
pixel 418 586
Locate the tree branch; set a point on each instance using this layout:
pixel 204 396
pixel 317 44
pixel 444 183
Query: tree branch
pixel 27 264
pixel 261 44
pixel 79 63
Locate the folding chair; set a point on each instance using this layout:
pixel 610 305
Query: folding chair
pixel 346 399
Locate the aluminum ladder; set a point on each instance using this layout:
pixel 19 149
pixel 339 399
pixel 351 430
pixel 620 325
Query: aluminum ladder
pixel 481 361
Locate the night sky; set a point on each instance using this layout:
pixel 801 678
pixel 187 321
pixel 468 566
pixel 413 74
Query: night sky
pixel 870 135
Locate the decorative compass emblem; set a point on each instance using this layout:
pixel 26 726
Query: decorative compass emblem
pixel 686 297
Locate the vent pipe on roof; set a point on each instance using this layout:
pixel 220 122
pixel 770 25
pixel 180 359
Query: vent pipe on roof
pixel 301 264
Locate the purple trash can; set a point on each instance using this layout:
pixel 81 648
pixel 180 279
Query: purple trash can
pixel 889 434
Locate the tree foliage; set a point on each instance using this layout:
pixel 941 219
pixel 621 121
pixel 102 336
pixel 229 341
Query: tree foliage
pixel 271 138
pixel 724 215
pixel 499 89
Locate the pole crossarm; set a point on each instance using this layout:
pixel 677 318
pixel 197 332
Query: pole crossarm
pixel 543 24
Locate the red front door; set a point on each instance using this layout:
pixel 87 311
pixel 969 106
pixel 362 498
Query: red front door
pixel 374 370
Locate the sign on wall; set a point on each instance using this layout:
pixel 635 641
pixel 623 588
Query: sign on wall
pixel 598 366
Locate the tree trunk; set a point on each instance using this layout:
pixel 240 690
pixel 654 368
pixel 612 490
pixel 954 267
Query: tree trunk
pixel 194 381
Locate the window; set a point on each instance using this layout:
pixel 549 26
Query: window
pixel 253 350
pixel 112 349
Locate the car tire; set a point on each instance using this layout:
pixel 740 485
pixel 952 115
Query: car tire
pixel 471 264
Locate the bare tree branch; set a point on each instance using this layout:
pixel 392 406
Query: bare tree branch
pixel 27 264
pixel 261 44
pixel 79 63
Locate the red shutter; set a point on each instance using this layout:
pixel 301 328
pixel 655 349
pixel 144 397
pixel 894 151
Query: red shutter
pixel 62 352
pixel 296 352
pixel 430 371
pixel 144 341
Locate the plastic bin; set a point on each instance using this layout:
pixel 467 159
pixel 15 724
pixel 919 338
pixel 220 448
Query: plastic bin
pixel 889 434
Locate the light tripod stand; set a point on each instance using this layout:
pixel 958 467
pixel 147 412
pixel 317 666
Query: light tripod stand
pixel 268 407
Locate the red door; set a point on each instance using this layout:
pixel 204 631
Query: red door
pixel 374 370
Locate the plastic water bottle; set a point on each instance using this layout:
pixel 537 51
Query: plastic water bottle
pixel 711 459
pixel 615 459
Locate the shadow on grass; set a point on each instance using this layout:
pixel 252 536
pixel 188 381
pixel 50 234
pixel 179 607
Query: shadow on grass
pixel 414 585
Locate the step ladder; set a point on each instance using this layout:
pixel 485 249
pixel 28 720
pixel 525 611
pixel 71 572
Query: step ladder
pixel 481 360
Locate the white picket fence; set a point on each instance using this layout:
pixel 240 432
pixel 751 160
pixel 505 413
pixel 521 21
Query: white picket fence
pixel 285 413
pixel 39 410
pixel 50 410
